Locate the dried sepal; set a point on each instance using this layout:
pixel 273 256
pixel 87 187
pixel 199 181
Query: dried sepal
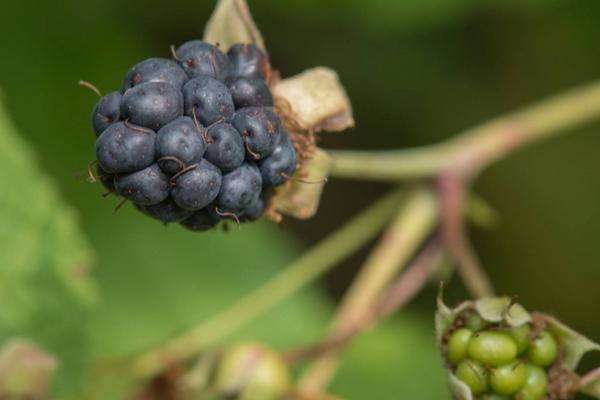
pixel 232 23
pixel 502 310
pixel 300 197
pixel 314 101
pixel 25 370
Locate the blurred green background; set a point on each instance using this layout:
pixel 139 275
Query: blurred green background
pixel 417 71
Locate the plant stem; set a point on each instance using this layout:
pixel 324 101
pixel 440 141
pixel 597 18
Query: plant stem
pixel 400 292
pixel 307 268
pixel 478 147
pixel 411 226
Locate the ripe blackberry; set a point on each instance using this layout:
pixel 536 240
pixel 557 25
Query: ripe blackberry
pixel 194 140
pixel 199 58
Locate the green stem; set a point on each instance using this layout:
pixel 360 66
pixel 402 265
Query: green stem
pixel 478 147
pixel 307 268
pixel 414 222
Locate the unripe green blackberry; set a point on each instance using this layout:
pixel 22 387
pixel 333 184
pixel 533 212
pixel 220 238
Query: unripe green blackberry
pixel 251 372
pixel 508 379
pixel 458 344
pixel 474 375
pixel 544 350
pixel 520 334
pixel 536 384
pixel 492 348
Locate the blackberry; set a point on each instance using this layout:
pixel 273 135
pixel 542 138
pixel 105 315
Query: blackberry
pixel 155 70
pixel 225 147
pixel 240 188
pixel 199 58
pixel 167 211
pixel 152 104
pixel 208 100
pixel 194 140
pixel 280 165
pixel 259 129
pixel 106 112
pixel 178 145
pixel 124 148
pixel 250 92
pixel 248 61
pixel 197 187
pixel 146 187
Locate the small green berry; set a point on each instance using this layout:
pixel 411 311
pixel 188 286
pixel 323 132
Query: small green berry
pixel 508 379
pixel 494 396
pixel 475 323
pixel 520 335
pixel 544 350
pixel 535 385
pixel 251 372
pixel 492 348
pixel 474 375
pixel 458 344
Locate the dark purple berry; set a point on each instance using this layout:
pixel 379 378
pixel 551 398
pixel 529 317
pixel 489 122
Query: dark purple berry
pixel 124 148
pixel 146 187
pixel 250 92
pixel 106 112
pixel 208 99
pixel 248 61
pixel 155 70
pixel 255 210
pixel 259 129
pixel 240 188
pixel 225 147
pixel 199 58
pixel 200 221
pixel 107 179
pixel 280 165
pixel 198 187
pixel 178 145
pixel 167 211
pixel 152 104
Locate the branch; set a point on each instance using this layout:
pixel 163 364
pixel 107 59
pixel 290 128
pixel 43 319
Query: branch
pixel 307 268
pixel 475 149
pixel 411 226
pixel 399 294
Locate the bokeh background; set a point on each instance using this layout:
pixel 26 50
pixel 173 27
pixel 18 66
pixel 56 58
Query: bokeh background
pixel 417 71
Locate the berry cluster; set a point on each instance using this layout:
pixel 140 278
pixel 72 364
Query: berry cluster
pixel 502 362
pixel 194 140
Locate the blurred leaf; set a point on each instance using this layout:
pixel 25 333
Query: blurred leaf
pixel 398 360
pixel 481 213
pixel 45 289
pixel 232 23
pixel 25 370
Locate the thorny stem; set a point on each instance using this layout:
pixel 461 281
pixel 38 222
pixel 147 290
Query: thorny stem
pixel 307 268
pixel 399 293
pixel 476 148
pixel 412 225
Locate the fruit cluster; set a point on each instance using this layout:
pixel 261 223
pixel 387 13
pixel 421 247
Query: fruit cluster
pixel 502 362
pixel 196 139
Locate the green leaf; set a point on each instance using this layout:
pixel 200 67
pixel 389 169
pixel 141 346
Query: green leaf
pixel 45 288
pixel 398 360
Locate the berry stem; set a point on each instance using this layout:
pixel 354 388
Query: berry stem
pixel 475 149
pixel 313 264
pixel 411 226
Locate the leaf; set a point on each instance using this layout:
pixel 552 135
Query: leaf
pixel 232 23
pixel 25 370
pixel 314 101
pixel 398 360
pixel 45 287
pixel 301 197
